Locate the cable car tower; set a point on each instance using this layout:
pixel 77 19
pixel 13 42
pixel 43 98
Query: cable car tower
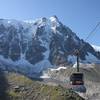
pixel 77 78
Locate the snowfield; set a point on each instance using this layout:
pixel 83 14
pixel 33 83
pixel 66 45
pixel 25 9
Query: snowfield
pixel 97 48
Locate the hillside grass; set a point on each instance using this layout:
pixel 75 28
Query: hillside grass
pixel 28 89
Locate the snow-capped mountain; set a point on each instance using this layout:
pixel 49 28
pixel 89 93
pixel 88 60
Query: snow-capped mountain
pixel 31 46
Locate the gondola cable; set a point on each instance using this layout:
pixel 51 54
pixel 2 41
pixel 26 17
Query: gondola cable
pixel 89 35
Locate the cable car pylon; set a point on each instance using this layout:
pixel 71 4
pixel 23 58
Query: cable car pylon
pixel 77 78
pixel 77 55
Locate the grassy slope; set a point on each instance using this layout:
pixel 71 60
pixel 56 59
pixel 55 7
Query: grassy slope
pixel 34 90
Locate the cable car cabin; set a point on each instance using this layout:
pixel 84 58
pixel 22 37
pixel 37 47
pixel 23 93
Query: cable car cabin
pixel 77 79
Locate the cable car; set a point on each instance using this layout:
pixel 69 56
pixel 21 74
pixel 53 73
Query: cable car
pixel 77 78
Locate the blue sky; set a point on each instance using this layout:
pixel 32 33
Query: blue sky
pixel 80 15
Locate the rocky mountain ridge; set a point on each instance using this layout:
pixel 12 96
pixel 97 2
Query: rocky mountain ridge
pixel 32 46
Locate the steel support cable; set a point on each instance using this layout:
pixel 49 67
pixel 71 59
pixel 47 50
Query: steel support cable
pixel 73 52
pixel 89 35
pixel 92 31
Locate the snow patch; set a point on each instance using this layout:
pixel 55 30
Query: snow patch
pixel 9 22
pixel 75 65
pixel 45 75
pixel 53 18
pixel 54 24
pixel 59 68
pixel 97 48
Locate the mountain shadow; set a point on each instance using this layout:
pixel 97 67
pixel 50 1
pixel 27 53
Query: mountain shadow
pixel 3 86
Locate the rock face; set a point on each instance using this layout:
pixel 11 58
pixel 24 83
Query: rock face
pixel 44 41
